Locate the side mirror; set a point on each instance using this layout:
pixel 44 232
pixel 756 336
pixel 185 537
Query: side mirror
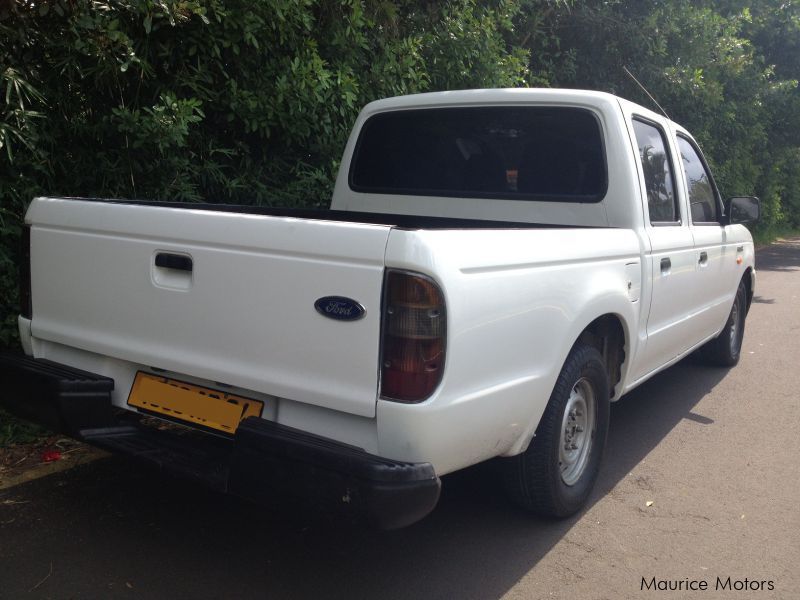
pixel 742 209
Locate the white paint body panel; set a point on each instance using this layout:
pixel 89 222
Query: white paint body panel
pixel 246 317
pixel 517 299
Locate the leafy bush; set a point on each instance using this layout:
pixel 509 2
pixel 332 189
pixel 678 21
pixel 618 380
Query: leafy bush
pixel 237 101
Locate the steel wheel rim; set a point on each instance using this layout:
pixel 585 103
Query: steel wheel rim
pixel 577 432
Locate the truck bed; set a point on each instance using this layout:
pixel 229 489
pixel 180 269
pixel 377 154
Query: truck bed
pixel 400 221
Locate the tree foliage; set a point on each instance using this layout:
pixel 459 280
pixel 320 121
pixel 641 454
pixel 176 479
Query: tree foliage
pixel 724 70
pixel 252 101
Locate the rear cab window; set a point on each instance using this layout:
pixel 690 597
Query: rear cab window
pixel 551 154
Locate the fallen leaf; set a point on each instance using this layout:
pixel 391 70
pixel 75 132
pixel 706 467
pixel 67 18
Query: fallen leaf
pixel 51 456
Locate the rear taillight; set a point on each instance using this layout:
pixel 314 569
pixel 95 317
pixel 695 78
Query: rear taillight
pixel 413 340
pixel 25 306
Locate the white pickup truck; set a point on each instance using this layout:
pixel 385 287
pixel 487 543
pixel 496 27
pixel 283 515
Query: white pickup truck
pixel 496 267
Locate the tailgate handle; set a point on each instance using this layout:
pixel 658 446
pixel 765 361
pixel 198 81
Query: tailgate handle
pixel 179 262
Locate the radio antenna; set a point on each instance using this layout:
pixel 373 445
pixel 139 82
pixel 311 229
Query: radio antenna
pixel 644 89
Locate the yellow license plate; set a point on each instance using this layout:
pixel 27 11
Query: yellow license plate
pixel 191 403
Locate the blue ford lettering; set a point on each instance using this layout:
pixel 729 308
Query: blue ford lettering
pixel 339 308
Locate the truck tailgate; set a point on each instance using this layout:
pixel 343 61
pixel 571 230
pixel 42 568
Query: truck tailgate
pixel 233 303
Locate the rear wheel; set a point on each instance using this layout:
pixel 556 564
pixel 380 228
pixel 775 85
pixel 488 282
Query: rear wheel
pixel 726 348
pixel 555 475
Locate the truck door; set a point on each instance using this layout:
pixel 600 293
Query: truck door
pixel 715 266
pixel 670 331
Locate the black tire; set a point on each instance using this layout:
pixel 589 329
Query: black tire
pixel 726 349
pixel 542 479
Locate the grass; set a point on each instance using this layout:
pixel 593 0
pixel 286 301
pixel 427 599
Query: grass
pixel 764 237
pixel 18 431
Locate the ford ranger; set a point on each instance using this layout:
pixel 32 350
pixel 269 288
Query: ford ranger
pixel 496 267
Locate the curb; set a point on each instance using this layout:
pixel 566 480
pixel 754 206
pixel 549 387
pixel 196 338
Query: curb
pixel 43 470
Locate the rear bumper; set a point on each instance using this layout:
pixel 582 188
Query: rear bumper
pixel 264 459
pixel 62 398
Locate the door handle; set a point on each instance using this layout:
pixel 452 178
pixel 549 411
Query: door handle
pixel 179 262
pixel 666 265
pixel 703 257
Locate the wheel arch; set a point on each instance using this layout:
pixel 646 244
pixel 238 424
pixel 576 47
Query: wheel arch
pixel 749 283
pixel 611 335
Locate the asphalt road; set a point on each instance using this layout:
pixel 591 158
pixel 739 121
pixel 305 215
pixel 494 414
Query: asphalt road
pixel 716 452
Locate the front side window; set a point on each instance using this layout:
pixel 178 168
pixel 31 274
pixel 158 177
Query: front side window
pixel 519 153
pixel 702 193
pixel 659 180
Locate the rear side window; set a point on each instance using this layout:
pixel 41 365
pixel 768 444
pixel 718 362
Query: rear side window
pixel 659 178
pixel 519 153
pixel 702 192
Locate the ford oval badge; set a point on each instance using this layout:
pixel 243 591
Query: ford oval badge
pixel 339 308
